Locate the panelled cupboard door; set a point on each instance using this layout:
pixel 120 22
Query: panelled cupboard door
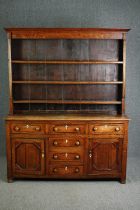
pixel 28 156
pixel 105 156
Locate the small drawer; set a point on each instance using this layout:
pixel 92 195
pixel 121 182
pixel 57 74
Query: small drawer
pixel 106 129
pixel 66 170
pixel 66 156
pixel 79 129
pixel 26 128
pixel 66 142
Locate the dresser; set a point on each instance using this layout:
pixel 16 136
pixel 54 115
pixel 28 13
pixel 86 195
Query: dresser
pixel 67 103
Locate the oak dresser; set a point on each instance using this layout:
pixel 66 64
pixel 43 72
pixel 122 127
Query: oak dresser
pixel 67 103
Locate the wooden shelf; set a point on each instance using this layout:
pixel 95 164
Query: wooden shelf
pixel 66 62
pixel 65 102
pixel 69 82
pixel 71 112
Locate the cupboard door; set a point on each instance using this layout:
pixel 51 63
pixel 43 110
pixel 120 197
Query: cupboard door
pixel 105 156
pixel 28 156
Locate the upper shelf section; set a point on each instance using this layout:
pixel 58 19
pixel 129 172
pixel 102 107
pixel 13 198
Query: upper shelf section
pixel 66 33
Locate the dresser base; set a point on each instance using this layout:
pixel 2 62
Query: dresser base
pixel 67 147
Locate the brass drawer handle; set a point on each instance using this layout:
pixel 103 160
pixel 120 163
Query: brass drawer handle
pixel 90 153
pixel 77 129
pixel 55 170
pixel 77 143
pixel 77 170
pixel 55 157
pixel 42 155
pixel 16 128
pixel 37 128
pixel 55 129
pixel 77 157
pixel 66 168
pixel 95 129
pixel 27 126
pixel 55 143
pixel 117 129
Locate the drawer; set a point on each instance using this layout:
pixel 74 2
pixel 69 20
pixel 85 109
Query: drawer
pixel 106 129
pixel 27 128
pixel 65 170
pixel 66 142
pixel 66 156
pixel 79 129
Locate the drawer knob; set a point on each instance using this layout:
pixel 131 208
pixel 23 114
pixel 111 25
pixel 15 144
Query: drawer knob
pixel 55 157
pixel 55 129
pixel 16 128
pixel 77 143
pixel 55 143
pixel 95 128
pixel 77 129
pixel 55 170
pixel 77 170
pixel 117 129
pixel 77 157
pixel 37 128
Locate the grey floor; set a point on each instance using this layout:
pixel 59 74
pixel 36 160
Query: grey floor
pixel 71 195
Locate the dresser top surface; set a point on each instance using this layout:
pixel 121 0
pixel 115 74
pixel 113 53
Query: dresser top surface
pixel 75 117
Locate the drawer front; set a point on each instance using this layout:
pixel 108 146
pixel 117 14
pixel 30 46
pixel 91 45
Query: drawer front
pixel 79 129
pixel 27 128
pixel 66 156
pixel 66 170
pixel 66 142
pixel 106 129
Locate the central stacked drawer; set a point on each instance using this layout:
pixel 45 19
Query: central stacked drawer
pixel 66 150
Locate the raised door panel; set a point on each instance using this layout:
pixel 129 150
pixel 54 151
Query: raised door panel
pixel 105 156
pixel 28 156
